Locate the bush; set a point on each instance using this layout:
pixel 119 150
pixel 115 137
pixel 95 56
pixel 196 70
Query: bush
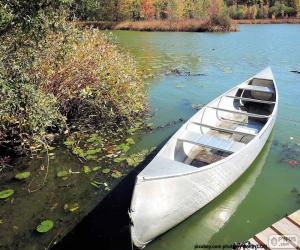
pixel 221 20
pixel 280 10
pixel 94 81
pixel 237 11
pixel 53 75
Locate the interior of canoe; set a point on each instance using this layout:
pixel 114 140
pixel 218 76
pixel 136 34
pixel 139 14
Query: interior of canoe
pixel 227 124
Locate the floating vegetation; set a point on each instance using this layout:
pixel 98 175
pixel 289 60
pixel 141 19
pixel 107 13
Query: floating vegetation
pixel 135 159
pixel 22 175
pixel 45 226
pixel 116 174
pixel 197 106
pixel 105 170
pixel 96 169
pixel 119 159
pixel 179 86
pixel 62 173
pixel 6 193
pixel 98 184
pixel 151 127
pixel 86 169
pixel 130 141
pixel 71 207
pixel 178 72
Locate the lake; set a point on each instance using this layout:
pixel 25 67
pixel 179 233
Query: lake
pixel 184 70
pixel 270 188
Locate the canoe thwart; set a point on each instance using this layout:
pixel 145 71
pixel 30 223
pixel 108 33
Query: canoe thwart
pixel 239 112
pixel 262 89
pixel 226 130
pixel 211 141
pixel 249 99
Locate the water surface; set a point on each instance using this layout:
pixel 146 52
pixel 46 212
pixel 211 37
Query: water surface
pixel 268 190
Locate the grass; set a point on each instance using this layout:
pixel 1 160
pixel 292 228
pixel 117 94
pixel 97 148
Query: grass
pixel 187 25
pixel 190 25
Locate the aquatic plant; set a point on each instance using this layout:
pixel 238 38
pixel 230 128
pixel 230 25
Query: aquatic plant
pixel 45 226
pixel 6 193
pixel 62 173
pixel 22 175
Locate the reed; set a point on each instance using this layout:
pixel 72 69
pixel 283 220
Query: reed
pixel 189 25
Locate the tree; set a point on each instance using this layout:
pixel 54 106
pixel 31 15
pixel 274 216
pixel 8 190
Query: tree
pixel 161 9
pixel 296 5
pixel 147 9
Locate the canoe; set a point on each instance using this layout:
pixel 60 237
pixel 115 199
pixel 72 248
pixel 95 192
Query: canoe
pixel 204 157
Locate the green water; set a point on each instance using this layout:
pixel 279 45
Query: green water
pixel 264 194
pixel 258 198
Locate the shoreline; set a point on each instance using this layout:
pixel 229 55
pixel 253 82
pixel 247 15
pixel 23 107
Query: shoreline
pixel 267 21
pixel 190 25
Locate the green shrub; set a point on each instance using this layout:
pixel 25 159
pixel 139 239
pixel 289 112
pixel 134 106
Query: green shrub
pixel 95 82
pixel 53 75
pixel 237 11
pixel 280 10
pixel 221 20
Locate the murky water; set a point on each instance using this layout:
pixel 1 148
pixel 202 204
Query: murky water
pixel 264 194
pixel 258 198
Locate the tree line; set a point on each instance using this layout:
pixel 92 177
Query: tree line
pixel 120 10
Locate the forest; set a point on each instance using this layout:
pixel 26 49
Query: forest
pixel 120 10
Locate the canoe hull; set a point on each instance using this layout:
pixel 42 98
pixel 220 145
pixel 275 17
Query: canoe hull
pixel 168 191
pixel 169 201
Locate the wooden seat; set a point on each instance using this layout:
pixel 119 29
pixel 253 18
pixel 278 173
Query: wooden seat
pixel 211 141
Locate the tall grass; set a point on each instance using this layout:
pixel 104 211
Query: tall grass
pixel 193 25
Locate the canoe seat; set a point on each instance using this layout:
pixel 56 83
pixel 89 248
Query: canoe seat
pixel 211 141
pixel 263 89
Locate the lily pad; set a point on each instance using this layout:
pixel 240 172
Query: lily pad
pixel 69 142
pixel 22 175
pixel 62 173
pixel 116 174
pixel 91 157
pixel 119 159
pixel 86 169
pixel 6 193
pixel 130 141
pixel 96 184
pixel 72 207
pixel 105 170
pixel 45 226
pixel 96 169
pixel 123 147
